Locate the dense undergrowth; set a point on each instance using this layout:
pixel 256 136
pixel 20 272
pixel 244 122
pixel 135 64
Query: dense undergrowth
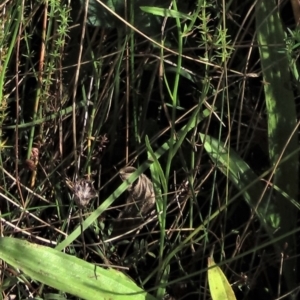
pixel 201 96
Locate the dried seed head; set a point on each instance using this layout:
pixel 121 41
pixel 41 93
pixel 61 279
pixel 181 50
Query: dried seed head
pixel 83 190
pixel 103 141
pixel 30 164
pixel 142 189
pixel 140 202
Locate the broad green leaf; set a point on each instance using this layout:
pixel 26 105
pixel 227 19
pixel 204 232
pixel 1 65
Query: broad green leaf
pixel 282 121
pixel 52 296
pixel 68 273
pixel 219 286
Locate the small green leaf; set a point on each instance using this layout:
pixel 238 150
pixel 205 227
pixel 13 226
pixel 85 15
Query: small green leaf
pixel 219 286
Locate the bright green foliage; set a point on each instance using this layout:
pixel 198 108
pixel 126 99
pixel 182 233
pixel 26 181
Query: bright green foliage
pixel 219 286
pixel 68 273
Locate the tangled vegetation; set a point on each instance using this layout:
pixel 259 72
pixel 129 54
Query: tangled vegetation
pixel 199 97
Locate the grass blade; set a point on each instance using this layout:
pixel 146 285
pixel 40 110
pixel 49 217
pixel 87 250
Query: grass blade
pixel 281 118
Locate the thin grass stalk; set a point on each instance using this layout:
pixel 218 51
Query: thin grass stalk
pixel 17 103
pixel 7 43
pixel 171 153
pixel 116 86
pixel 174 93
pixel 15 14
pixel 90 136
pixel 225 95
pixel 86 124
pixel 6 47
pixel 205 37
pixel 75 86
pixel 137 121
pixel 39 81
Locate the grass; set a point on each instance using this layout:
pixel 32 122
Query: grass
pixel 200 97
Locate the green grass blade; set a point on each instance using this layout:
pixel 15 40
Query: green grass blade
pixel 14 31
pixel 161 201
pixel 279 98
pixel 174 92
pixel 278 92
pixel 68 273
pixel 159 172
